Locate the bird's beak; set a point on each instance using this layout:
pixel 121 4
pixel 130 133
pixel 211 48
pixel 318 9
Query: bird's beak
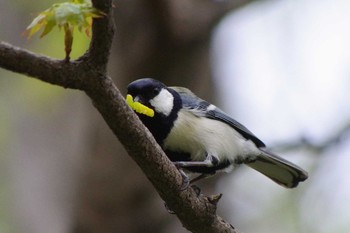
pixel 138 106
pixel 139 99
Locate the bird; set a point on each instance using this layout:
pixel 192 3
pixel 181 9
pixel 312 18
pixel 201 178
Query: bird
pixel 200 138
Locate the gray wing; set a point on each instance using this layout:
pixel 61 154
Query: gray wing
pixel 202 108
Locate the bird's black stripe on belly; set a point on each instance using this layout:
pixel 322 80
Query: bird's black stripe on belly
pixel 209 170
pixel 160 125
pixel 178 156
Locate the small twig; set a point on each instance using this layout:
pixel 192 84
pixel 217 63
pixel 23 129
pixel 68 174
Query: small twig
pixel 308 144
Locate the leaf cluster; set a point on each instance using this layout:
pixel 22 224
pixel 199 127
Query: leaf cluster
pixel 66 15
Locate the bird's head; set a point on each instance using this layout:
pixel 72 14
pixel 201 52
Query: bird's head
pixel 149 97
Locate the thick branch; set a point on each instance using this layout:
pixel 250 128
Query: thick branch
pixel 41 67
pixel 198 214
pixel 102 36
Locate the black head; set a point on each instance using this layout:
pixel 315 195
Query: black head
pixel 145 89
pixel 163 100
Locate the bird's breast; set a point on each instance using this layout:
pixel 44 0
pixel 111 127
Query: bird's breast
pixel 199 136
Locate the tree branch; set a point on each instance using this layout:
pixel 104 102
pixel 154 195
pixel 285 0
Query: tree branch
pixel 102 36
pixel 88 73
pixel 196 213
pixel 40 67
pixel 317 148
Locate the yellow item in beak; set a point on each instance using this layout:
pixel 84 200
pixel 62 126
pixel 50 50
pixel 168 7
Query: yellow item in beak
pixel 138 107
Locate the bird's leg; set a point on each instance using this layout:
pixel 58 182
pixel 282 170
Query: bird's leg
pixel 185 180
pixel 210 161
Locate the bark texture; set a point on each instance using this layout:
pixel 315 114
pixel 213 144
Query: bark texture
pixel 167 40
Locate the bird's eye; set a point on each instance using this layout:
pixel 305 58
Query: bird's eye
pixel 156 91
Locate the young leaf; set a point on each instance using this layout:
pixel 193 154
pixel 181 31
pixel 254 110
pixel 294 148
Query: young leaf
pixel 76 13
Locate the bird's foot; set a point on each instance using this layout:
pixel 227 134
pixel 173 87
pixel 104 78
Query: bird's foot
pixel 196 189
pixel 167 208
pixel 185 180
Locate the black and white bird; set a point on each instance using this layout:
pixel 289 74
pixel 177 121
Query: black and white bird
pixel 200 138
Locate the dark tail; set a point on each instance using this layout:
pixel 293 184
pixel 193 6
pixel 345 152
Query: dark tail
pixel 278 169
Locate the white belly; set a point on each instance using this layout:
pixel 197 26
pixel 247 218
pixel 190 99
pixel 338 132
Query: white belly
pixel 199 136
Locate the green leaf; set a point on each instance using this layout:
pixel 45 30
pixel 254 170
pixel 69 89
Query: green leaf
pixel 68 15
pixel 50 24
pixel 36 25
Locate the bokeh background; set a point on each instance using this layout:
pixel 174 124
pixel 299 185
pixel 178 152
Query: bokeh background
pixel 280 67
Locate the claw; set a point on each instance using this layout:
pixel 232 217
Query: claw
pixel 169 210
pixel 196 189
pixel 185 180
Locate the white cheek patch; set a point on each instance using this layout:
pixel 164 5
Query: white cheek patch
pixel 163 102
